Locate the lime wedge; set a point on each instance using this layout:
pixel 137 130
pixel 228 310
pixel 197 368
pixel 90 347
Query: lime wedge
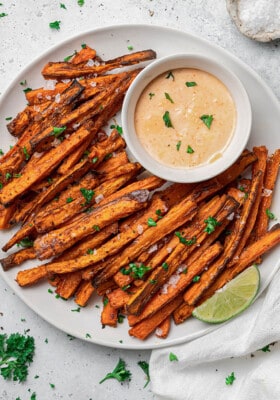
pixel 232 299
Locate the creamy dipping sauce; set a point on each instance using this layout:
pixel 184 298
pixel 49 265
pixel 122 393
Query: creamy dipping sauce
pixel 185 118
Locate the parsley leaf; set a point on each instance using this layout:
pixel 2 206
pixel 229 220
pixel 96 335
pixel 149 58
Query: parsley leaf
pixel 196 278
pixel 190 150
pixel 167 120
pixel 151 95
pixel 120 373
pixel 266 348
pixel 118 128
pixel 165 266
pixel 25 242
pixel 3 15
pixel 173 357
pixel 145 367
pixel 63 6
pixel 55 25
pixel 170 75
pixel 207 120
pixel 178 145
pixel 130 47
pixel 88 194
pixel 159 214
pixel 16 353
pixel 57 131
pixel 184 240
pixel 211 224
pixel 81 2
pixel 191 84
pixel 137 271
pixel 26 154
pixel 270 214
pixel 230 379
pixel 151 222
pixel 167 96
pixel 66 59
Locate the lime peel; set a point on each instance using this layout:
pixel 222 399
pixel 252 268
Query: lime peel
pixel 232 299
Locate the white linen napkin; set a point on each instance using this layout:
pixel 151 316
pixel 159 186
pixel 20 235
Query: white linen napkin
pixel 204 363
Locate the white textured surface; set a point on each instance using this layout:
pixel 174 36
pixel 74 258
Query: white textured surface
pixel 75 367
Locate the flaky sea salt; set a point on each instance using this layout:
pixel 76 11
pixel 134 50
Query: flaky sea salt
pixel 99 198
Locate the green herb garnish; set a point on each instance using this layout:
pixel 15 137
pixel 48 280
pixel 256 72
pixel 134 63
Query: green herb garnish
pixel 211 224
pixel 81 2
pixel 191 84
pixel 69 199
pixel 172 357
pixel 118 128
pixel 170 75
pixel 66 59
pixel 196 278
pixel 178 145
pixel 165 266
pixel 120 373
pixel 270 214
pixel 137 271
pixel 145 367
pixel 55 25
pixel 167 96
pixel 26 154
pixel 184 240
pixel 159 214
pixel 167 120
pixel 26 90
pixel 151 222
pixel 96 228
pixel 25 242
pixel 230 379
pixel 63 6
pixel 207 120
pixel 16 353
pixel 88 194
pixel 3 15
pixel 190 150
pixel 129 47
pixel 57 131
pixel 151 95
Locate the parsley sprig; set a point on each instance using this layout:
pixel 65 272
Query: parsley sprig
pixel 120 373
pixel 16 353
pixel 145 367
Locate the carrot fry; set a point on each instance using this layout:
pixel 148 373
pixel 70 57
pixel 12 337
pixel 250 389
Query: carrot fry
pixel 68 284
pixel 84 293
pixel 163 329
pixel 144 328
pixel 118 298
pixel 31 276
pixel 17 258
pixel 181 313
pixel 109 315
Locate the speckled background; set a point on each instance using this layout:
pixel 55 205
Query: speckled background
pixel 73 366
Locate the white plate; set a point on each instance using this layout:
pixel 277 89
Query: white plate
pixel 111 42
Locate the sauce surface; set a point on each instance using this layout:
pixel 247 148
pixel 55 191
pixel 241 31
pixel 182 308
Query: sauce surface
pixel 185 118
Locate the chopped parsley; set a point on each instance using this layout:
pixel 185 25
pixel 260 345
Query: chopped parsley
pixel 125 288
pixel 94 160
pixel 137 271
pixel 167 120
pixel 145 367
pixel 108 156
pixel 26 154
pixel 129 47
pixel 170 75
pixel 63 6
pixel 23 83
pixel 196 278
pixel 178 145
pixel 81 2
pixel 66 59
pixel 121 318
pixel 50 291
pixel 151 222
pixel 90 251
pixel 190 150
pixel 83 45
pixel 57 131
pixel 184 240
pixel 1 152
pixel 55 25
pixel 105 301
pixel 8 118
pixel 88 194
pixel 120 373
pixel 270 214
pixel 191 84
pixel 25 242
pixel 167 96
pixel 172 357
pixel 211 224
pixel 26 90
pixel 52 385
pixel 8 176
pixel 207 120
pixel 151 95
pixel 69 199
pixel 230 379
pixel 78 309
pixel 96 228
pixel 88 335
pixel 165 266
pixel 266 348
pixel 16 353
pixel 3 15
pixel 118 128
pixel 159 214
pixel 153 281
